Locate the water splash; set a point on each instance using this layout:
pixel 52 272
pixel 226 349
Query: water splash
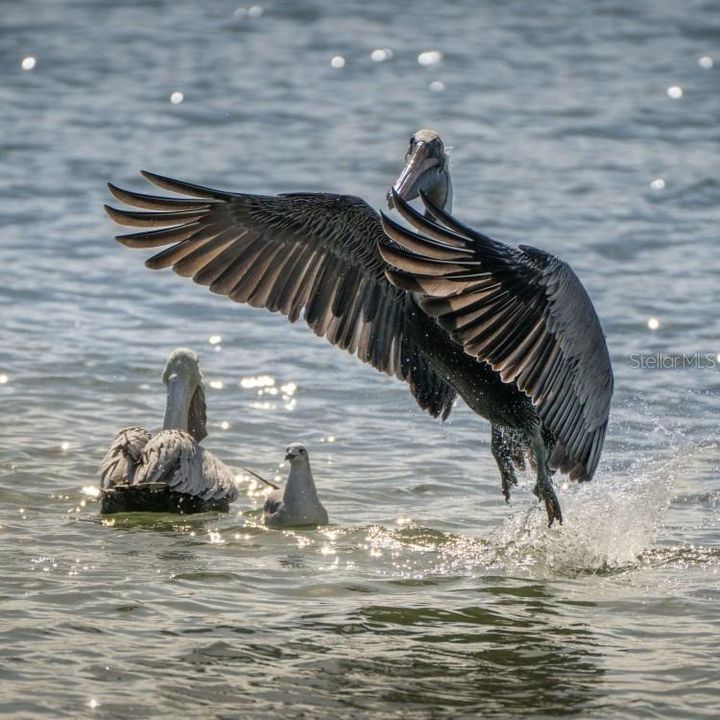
pixel 609 523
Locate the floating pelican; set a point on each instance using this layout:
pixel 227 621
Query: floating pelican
pixel 169 472
pixel 519 341
pixel 298 504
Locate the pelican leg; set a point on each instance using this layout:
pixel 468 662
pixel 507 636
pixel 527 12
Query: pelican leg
pixel 502 452
pixel 544 485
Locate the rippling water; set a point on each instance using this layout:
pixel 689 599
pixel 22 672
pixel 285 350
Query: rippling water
pixel 587 129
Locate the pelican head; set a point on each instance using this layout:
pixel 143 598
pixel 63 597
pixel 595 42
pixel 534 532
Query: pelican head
pixel 185 409
pixel 296 453
pixel 426 169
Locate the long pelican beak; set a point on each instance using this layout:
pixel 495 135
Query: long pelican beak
pixel 421 172
pixel 178 403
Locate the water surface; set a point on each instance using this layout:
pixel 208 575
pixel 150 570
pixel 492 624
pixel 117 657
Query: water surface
pixel 428 597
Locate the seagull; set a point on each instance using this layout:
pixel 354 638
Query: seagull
pixel 538 368
pixel 170 471
pixel 298 503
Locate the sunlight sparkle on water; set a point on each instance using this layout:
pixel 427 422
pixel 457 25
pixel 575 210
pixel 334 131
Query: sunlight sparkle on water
pixel 225 425
pixel 28 63
pixel 675 92
pixel 288 390
pixel 93 703
pixel 657 184
pixel 216 384
pixel 215 538
pixel 177 97
pixel 430 57
pixel 337 62
pixel 65 446
pixel 653 323
pixel 437 86
pixel 381 54
pixel 3 378
pixel 215 339
pixel 259 381
pixel 705 62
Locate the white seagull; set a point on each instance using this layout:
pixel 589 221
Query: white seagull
pixel 298 503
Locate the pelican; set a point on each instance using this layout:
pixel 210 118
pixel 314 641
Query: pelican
pixel 298 504
pixel 522 346
pixel 169 472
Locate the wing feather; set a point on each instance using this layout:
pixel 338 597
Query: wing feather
pixel 174 458
pixel 522 311
pixel 122 457
pixel 310 252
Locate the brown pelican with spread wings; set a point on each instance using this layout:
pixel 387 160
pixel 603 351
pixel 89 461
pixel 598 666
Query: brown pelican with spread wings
pixel 440 306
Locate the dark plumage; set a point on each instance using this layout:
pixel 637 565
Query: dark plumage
pixel 523 312
pixel 302 251
pixel 446 309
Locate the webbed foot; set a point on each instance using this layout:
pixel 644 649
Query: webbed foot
pixel 545 491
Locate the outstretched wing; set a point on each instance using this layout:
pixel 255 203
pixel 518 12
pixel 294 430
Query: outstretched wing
pixel 522 311
pixel 310 252
pixel 174 458
pixel 122 457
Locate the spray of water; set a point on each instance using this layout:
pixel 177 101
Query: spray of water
pixel 609 523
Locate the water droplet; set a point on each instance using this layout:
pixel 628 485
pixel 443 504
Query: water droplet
pixel 430 57
pixel 224 424
pixel 653 323
pixel 337 62
pixel 3 379
pixel 705 62
pixel 177 97
pixel 657 184
pixel 28 63
pixel 437 86
pixel 255 11
pixel 675 92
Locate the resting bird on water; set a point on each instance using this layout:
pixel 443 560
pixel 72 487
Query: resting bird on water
pixel 298 503
pixel 321 253
pixel 169 472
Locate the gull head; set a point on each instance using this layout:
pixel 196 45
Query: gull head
pixel 297 454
